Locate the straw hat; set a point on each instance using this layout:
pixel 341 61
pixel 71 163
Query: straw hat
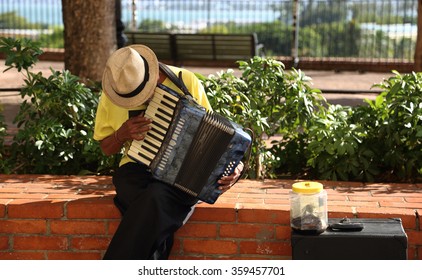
pixel 130 76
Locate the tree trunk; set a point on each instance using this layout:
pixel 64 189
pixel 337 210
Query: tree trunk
pixel 89 36
pixel 418 51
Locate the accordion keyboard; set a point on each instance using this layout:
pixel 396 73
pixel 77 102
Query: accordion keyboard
pixel 160 110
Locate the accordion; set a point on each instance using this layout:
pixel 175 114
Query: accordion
pixel 188 147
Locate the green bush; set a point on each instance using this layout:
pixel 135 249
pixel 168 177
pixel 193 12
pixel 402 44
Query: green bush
pixel 398 126
pixel 378 141
pixel 267 100
pixel 334 150
pixel 55 121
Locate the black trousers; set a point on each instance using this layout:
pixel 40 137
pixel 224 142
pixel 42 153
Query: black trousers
pixel 151 213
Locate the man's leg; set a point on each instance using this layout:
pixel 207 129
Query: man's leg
pixel 153 211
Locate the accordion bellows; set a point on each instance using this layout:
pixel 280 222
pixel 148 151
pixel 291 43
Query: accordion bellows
pixel 188 147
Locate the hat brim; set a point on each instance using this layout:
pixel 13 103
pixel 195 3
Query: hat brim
pixel 147 92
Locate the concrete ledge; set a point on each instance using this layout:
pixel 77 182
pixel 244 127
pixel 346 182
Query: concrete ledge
pixel 73 217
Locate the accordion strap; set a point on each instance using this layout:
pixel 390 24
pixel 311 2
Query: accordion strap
pixel 178 81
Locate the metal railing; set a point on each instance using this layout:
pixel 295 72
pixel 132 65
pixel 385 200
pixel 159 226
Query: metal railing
pixel 357 29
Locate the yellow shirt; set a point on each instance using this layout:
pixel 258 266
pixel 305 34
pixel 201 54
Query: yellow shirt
pixel 110 117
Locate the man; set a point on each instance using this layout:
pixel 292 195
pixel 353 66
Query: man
pixel 151 210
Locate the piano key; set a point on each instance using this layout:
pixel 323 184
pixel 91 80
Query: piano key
pixel 163 124
pixel 139 157
pixel 158 132
pixel 154 110
pixel 154 136
pixel 145 154
pixel 161 92
pixel 164 105
pixel 164 99
pixel 160 125
pixel 145 145
pixel 140 145
pixel 152 142
pixel 155 114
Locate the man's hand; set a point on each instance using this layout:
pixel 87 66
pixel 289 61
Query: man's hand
pixel 227 182
pixel 134 128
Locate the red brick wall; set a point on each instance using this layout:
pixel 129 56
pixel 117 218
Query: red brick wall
pixel 61 217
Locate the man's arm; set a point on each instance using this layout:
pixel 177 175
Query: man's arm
pixel 133 128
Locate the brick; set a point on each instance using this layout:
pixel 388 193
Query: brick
pixel 39 243
pixel 341 214
pixel 23 226
pixel 11 190
pixel 277 201
pixel 259 207
pixel 78 227
pixel 4 243
pixel 177 246
pixel 408 205
pixel 385 211
pixel 92 209
pixel 378 198
pixel 228 201
pixel 340 184
pixel 279 191
pixel 411 253
pixel 256 231
pixel 50 189
pixel 24 208
pixel 332 204
pixel 251 200
pixel 112 227
pixel 90 243
pixel 60 179
pixel 198 230
pixel 279 248
pixel 213 214
pixel 419 250
pixel 242 192
pixel 23 196
pixel 225 247
pixel 265 216
pixel 414 237
pixel 76 196
pixel 3 203
pixel 409 193
pixel 337 197
pixel 22 256
pixel 263 195
pixel 16 178
pixel 283 232
pixel 20 186
pixel 74 255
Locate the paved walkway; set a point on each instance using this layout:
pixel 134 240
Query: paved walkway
pixel 328 81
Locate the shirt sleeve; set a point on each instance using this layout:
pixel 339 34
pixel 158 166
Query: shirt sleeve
pixel 109 118
pixel 102 127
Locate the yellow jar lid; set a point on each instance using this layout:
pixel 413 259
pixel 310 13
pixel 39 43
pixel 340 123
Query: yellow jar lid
pixel 307 187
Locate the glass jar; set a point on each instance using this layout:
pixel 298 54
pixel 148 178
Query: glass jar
pixel 308 208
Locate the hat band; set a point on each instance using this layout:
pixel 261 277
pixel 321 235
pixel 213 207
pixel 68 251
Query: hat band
pixel 141 86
